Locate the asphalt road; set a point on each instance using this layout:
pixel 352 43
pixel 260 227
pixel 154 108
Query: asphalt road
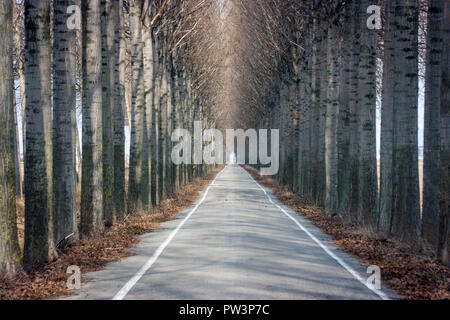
pixel 236 242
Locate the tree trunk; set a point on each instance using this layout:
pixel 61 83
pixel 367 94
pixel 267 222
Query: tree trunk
pixel 92 174
pixel 405 209
pixel 315 106
pixel 39 235
pixel 119 113
pixel 368 183
pixel 354 109
pixel 149 100
pixel 155 178
pixel 432 141
pixel 444 229
pixel 9 244
pixel 137 180
pixel 64 125
pixel 344 124
pixel 332 114
pixel 304 62
pixel 387 122
pixel 320 162
pixel 108 27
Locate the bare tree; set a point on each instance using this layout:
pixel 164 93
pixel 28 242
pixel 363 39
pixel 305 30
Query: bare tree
pixel 92 175
pixel 9 244
pixel 64 124
pixel 39 214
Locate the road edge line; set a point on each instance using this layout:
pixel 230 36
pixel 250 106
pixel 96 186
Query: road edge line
pixel 132 282
pixel 354 273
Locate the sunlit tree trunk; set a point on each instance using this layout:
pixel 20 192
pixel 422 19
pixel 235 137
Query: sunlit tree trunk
pixel 39 237
pixel 92 168
pixel 155 178
pixel 9 244
pixel 170 114
pixel 149 98
pixel 163 100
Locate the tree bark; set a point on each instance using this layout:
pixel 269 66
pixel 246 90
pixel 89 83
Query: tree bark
pixel 405 208
pixel 332 114
pixel 387 122
pixel 149 99
pixel 64 125
pixel 444 228
pixel 39 245
pixel 432 134
pixel 138 180
pixel 9 244
pixel 344 123
pixel 108 29
pixel 367 175
pixel 92 170
pixel 119 113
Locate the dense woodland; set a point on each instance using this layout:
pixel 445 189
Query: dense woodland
pixel 314 69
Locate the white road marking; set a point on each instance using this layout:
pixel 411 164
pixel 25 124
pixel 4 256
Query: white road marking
pixel 355 274
pixel 132 282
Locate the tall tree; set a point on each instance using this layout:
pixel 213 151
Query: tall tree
pixel 345 126
pixel 108 27
pixel 138 180
pixel 444 229
pixel 367 175
pixel 315 104
pixel 432 141
pixel 332 114
pixel 119 113
pixel 405 189
pixel 149 94
pixel 304 84
pixel 353 113
pixel 9 244
pixel 387 121
pixel 64 125
pixel 39 236
pixel 92 168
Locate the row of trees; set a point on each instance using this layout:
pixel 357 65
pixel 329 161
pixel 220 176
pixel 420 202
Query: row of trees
pixel 313 69
pixel 145 49
pixel 331 66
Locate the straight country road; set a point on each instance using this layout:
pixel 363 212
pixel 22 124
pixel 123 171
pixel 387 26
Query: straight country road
pixel 237 242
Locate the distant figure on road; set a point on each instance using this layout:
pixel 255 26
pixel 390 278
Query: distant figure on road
pixel 232 159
